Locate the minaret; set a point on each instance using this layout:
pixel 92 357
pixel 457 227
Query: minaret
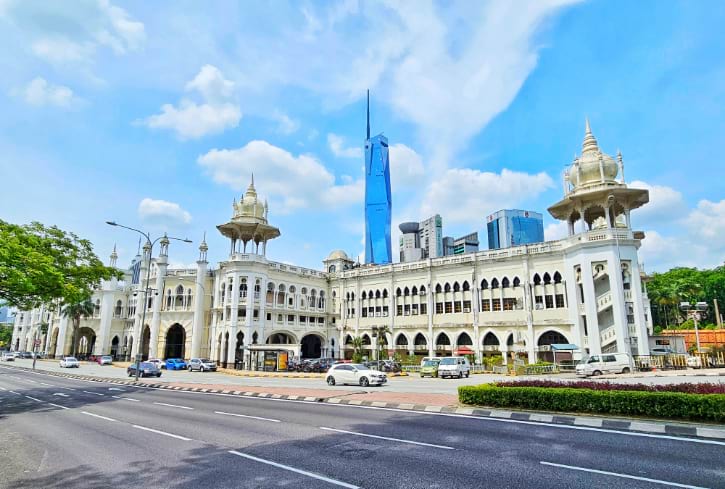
pixel 114 257
pixel 198 324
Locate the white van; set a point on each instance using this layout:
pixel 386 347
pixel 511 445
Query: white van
pixel 454 367
pixel 608 363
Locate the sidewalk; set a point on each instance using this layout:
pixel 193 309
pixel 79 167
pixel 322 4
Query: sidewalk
pixel 704 372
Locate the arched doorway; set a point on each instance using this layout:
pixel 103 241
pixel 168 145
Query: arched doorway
pixel 145 342
pixel 114 347
pixel 219 349
pixel 443 345
pixel 53 343
pixel 239 351
pixel 86 340
pixel 226 350
pixel 549 338
pixel 175 342
pixel 280 339
pixel 311 346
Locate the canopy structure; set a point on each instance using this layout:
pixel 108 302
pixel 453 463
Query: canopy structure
pixel 564 347
pixel 464 350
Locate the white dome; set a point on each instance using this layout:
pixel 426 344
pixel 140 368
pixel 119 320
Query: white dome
pixel 586 169
pixel 338 255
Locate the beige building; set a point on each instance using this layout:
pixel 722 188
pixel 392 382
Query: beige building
pixel 585 290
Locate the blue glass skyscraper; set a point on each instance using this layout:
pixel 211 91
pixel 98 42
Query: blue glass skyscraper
pixel 513 227
pixel 378 200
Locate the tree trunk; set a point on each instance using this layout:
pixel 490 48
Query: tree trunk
pixel 74 339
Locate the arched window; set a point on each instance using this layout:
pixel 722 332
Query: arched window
pixel 401 340
pixel 547 278
pixel 439 289
pixel 494 283
pixel 366 339
pixel 370 294
pixel 414 291
pixel 377 294
pixel 406 292
pixel 491 340
pixel 505 283
pixel 179 301
pixel 484 284
pixel 517 282
pixel 364 295
pixel 168 299
pixel 352 296
pixel 188 297
pixel 420 340
pixel 464 340
pixel 119 308
pixel 447 287
pixel 385 293
pixel 331 269
pixel 466 287
pixel 537 279
pixel 422 290
pixel 557 278
pixel 398 292
pixel 456 287
pixel 443 340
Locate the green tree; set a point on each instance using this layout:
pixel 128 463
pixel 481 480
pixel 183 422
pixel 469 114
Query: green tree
pixel 382 333
pixel 40 264
pixel 6 335
pixel 357 349
pixel 75 312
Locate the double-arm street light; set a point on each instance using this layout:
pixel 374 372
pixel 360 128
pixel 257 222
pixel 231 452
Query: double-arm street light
pixel 696 313
pixel 150 244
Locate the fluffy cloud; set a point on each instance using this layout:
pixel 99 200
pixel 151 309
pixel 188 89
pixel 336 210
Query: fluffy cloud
pixel 707 221
pixel 291 182
pixel 336 144
pixel 192 120
pixel 40 93
pixel 285 124
pixel 466 196
pixel 162 212
pixel 406 167
pixel 665 204
pixel 556 230
pixel 72 33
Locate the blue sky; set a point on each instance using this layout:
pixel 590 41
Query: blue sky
pixel 156 114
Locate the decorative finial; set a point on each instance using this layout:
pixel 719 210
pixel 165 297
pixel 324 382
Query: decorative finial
pixel 252 179
pixel 590 143
pixel 114 256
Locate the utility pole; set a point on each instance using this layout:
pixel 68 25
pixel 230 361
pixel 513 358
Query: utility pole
pixel 718 318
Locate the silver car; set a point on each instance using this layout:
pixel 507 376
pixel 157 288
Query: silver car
pixel 69 362
pixel 7 357
pixel 202 364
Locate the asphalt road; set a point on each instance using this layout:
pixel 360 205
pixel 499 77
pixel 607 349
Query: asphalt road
pixel 67 433
pixel 412 383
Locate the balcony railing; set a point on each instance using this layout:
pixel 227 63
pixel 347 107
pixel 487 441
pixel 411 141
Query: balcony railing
pixel 604 301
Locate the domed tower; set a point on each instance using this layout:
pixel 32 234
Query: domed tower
pixel 249 224
pixel 592 193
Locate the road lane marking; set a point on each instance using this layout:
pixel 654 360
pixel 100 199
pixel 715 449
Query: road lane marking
pixel 247 416
pixel 116 389
pixel 14 392
pixel 126 398
pixel 159 432
pixel 399 440
pixel 58 405
pixel 173 405
pixel 3 389
pixel 60 394
pixel 99 416
pixel 34 399
pixel 292 469
pixel 94 393
pixel 625 476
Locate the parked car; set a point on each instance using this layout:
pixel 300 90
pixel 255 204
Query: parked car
pixel 661 351
pixel 104 360
pixel 175 364
pixel 201 364
pixel 39 354
pixel 158 362
pixel 607 363
pixel 454 367
pixel 7 357
pixel 27 354
pixel 17 354
pixel 145 369
pixel 425 359
pixel 430 368
pixel 354 373
pixel 69 362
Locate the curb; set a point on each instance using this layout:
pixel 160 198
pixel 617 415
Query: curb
pixel 636 426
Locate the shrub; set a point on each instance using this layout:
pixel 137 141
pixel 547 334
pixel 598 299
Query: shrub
pixel 676 405
pixel 700 388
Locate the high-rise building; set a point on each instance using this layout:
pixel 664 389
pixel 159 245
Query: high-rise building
pixel 430 235
pixel 448 246
pixel 513 227
pixel 378 199
pixel 410 249
pixel 459 246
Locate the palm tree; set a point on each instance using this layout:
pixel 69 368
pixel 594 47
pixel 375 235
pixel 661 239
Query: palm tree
pixel 75 312
pixel 357 348
pixel 383 331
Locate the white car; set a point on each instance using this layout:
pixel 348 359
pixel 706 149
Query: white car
pixel 354 373
pixel 69 362
pixel 201 364
pixel 7 357
pixel 159 363
pixel 454 367
pixel 607 363
pixel 105 360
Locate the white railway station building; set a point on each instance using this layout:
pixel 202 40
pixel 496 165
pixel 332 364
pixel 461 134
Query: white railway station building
pixel 585 289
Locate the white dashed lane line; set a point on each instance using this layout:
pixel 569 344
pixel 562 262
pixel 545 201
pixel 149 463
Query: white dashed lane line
pixel 126 398
pixel 247 416
pixel 99 416
pixel 399 440
pixel 173 405
pixel 624 476
pixel 159 432
pixel 94 393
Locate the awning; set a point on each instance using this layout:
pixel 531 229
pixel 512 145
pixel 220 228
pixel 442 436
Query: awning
pixel 564 347
pixel 464 350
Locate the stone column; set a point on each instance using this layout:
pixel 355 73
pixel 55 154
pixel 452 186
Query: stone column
pixel 638 300
pixel 590 309
pixel 431 310
pixel 161 265
pixel 107 308
pixel 619 309
pixel 528 306
pixel 140 302
pixel 263 309
pixel 249 323
pixel 62 331
pixel 233 318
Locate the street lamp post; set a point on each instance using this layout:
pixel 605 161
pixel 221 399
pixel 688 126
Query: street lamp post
pixel 696 314
pixel 150 244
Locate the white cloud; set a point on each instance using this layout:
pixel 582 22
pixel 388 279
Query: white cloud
pixel 61 32
pixel 41 93
pixel 191 120
pixel 665 204
pixel 707 222
pixel 464 195
pixel 291 182
pixel 162 211
pixel 337 143
pixel 285 124
pixel 406 167
pixel 556 230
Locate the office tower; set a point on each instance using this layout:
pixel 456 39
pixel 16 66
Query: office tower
pixel 410 249
pixel 512 227
pixel 430 235
pixel 465 244
pixel 378 200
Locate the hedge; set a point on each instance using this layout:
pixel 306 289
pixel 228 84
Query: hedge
pixel 688 388
pixel 673 405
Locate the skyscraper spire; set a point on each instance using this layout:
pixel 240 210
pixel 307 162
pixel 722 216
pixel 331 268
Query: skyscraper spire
pixel 368 133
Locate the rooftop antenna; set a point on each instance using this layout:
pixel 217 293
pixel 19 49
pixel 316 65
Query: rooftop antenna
pixel 368 113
